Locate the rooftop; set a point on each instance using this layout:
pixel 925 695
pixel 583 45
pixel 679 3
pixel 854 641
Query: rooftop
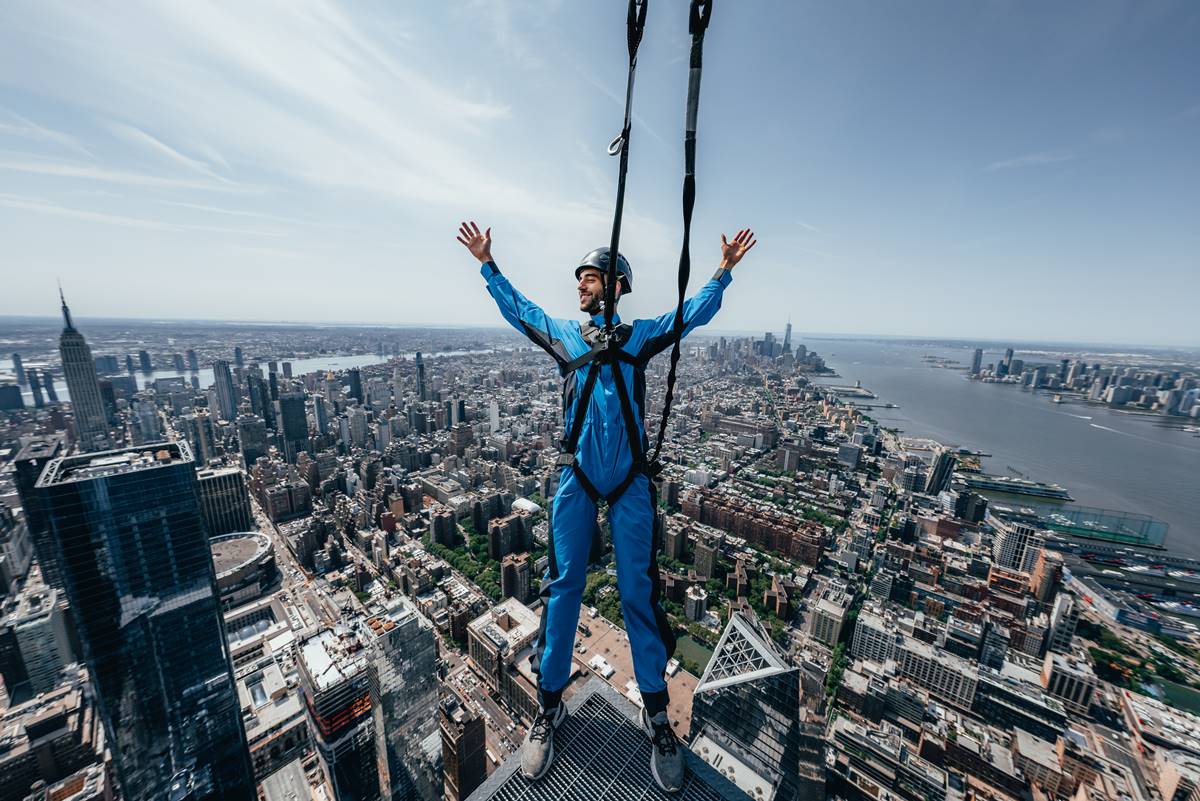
pixel 90 466
pixel 332 657
pixel 602 753
pixel 231 551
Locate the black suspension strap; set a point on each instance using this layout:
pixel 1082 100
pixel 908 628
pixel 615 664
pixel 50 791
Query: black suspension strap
pixel 698 17
pixel 635 25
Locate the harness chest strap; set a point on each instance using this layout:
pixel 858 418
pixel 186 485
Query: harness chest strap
pixel 604 353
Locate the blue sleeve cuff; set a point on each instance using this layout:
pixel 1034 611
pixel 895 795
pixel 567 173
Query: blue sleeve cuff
pixel 488 269
pixel 723 276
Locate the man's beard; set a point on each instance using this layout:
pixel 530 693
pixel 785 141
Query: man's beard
pixel 591 304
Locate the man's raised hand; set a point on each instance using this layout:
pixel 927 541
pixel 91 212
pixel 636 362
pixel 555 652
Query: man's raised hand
pixel 479 244
pixel 732 252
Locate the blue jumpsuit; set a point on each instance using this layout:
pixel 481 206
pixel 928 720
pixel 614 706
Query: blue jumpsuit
pixel 603 454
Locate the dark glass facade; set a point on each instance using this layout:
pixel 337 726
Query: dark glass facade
pixel 755 713
pixel 135 562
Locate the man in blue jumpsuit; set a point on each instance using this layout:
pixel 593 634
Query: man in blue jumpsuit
pixel 608 462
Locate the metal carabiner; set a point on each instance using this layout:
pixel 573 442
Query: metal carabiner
pixel 614 147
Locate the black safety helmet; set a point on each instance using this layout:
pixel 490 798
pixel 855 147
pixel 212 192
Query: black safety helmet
pixel 598 259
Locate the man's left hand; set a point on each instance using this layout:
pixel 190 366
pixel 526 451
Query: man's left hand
pixel 732 252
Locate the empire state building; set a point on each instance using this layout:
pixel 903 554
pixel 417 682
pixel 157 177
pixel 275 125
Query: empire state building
pixel 91 424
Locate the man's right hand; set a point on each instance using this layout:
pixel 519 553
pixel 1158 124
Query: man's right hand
pixel 479 244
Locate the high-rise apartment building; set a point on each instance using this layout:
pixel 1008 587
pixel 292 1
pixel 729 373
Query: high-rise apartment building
pixel 464 748
pixel 514 576
pixel 136 566
pixel 39 628
pixel 1016 543
pixel 91 423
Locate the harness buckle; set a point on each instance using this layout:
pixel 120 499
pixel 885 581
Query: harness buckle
pixel 565 459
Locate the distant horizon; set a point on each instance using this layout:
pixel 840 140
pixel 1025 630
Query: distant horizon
pixel 710 330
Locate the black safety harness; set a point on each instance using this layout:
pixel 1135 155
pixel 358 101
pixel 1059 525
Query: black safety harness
pixel 606 344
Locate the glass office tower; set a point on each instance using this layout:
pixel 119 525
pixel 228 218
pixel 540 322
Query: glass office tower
pixel 135 562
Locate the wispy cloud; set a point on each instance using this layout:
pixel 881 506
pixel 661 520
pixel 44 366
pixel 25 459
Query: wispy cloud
pixel 808 227
pixel 63 169
pixel 158 147
pixel 28 129
pixel 43 206
pixel 1030 160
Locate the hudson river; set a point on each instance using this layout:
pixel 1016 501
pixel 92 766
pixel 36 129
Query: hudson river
pixel 1104 458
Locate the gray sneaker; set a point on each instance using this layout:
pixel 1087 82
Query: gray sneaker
pixel 538 751
pixel 667 763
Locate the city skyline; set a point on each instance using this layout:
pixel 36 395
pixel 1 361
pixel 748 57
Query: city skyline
pixel 908 166
pixel 714 330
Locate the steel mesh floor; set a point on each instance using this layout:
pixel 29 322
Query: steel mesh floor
pixel 602 754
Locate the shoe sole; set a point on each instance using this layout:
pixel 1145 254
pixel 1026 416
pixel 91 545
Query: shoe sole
pixel 646 727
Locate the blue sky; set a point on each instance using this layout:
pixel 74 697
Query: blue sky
pixel 993 170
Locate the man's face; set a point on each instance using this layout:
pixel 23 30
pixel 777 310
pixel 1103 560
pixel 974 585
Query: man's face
pixel 591 290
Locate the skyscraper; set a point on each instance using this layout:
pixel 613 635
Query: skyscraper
pixel 941 470
pixel 748 705
pixel 356 387
pixel 977 362
pixel 48 383
pixel 1016 543
pixel 334 675
pixel 238 361
pixel 34 455
pixel 144 362
pixel 226 394
pixel 35 387
pixel 463 747
pixel 91 422
pixel 787 337
pixel 192 362
pixel 295 423
pixel 420 377
pixel 252 435
pixel 404 689
pixel 320 414
pixel 18 368
pixel 136 565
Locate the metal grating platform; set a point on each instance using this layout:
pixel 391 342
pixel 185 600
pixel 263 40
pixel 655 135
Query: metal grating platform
pixel 602 754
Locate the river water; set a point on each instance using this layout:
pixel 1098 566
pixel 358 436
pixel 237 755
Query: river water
pixel 1103 457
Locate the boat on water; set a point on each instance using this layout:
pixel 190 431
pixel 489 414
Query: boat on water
pixel 1013 486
